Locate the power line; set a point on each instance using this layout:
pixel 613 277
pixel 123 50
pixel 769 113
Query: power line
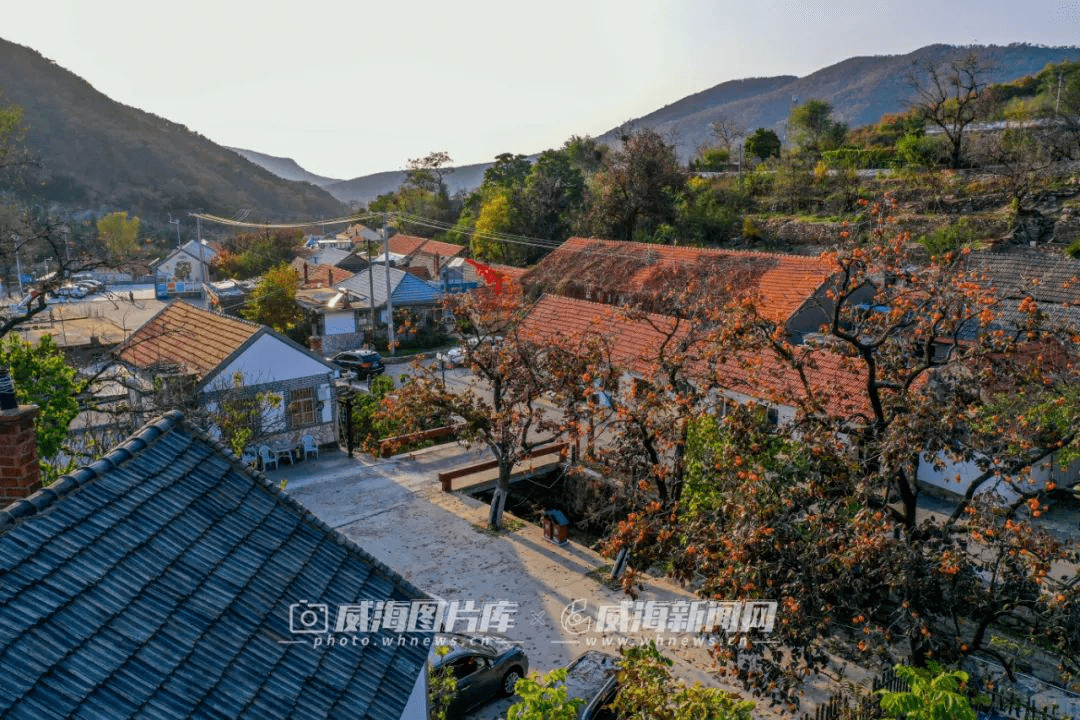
pixel 283 226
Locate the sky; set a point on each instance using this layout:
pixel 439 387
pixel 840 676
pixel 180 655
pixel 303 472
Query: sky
pixel 352 88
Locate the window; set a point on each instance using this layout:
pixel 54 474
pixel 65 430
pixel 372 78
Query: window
pixel 301 407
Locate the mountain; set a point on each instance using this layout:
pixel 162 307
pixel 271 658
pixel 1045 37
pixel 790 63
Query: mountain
pixel 860 89
pixel 285 168
pixel 363 190
pixel 99 155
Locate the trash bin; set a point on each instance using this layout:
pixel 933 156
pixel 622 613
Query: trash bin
pixel 556 527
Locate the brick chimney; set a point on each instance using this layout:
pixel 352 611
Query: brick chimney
pixel 20 475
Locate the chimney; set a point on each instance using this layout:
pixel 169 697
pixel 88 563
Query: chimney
pixel 20 475
pixel 305 274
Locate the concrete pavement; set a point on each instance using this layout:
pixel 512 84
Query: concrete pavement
pixel 395 510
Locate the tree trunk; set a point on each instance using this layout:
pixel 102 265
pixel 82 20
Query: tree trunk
pixel 498 498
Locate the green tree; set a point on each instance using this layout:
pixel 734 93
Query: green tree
pixel 12 133
pixel 422 196
pixel 813 128
pixel 635 193
pixel 585 154
pixel 713 159
pixel 248 255
pixel 648 692
pixel 441 687
pixel 708 214
pixel 544 698
pixel 120 234
pixel 508 171
pixel 553 199
pixel 935 694
pixel 763 144
pixel 43 377
pixel 273 301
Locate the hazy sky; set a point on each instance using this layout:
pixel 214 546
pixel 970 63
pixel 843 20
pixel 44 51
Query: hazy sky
pixel 351 88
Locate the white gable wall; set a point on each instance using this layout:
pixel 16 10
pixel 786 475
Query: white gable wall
pixel 340 323
pixel 267 360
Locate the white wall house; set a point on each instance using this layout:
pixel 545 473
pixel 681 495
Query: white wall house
pixel 204 357
pixel 184 270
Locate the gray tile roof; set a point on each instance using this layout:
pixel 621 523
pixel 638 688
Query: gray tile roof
pixel 157 583
pixel 406 288
pixel 1049 278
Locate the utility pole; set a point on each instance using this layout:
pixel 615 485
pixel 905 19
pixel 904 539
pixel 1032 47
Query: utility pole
pixel 389 302
pixel 18 268
pixel 176 222
pixel 371 290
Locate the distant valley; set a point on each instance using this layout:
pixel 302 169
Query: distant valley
pixel 860 89
pixel 97 155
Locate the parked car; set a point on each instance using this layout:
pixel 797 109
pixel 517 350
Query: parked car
pixel 486 667
pixel 70 291
pixel 365 363
pixel 591 677
pixel 452 358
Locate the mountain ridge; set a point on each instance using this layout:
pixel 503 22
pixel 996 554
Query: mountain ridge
pixel 98 155
pixel 861 90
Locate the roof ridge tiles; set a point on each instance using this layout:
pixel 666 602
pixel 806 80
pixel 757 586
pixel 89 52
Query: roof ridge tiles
pixel 68 483
pixel 711 250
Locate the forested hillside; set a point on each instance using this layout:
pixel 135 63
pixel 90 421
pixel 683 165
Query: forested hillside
pixel 97 155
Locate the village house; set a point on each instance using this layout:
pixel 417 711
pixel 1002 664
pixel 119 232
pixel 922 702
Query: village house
pixel 313 276
pixel 168 579
pixel 188 357
pixel 183 271
pixel 630 343
pixel 789 290
pixel 341 316
pixel 426 258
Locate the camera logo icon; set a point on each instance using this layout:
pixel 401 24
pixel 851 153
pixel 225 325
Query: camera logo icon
pixel 305 617
pixel 574 618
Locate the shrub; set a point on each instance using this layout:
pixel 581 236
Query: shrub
pixel 950 238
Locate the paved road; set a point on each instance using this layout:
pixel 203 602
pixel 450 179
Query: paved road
pixel 395 510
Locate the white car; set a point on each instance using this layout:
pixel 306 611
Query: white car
pixel 454 357
pixel 71 291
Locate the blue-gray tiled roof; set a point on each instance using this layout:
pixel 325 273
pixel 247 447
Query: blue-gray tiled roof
pixel 157 583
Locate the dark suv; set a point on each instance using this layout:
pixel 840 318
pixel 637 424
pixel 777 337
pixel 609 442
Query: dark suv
pixel 365 363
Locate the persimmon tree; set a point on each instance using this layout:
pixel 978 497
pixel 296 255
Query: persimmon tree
pixel 525 394
pixel 919 369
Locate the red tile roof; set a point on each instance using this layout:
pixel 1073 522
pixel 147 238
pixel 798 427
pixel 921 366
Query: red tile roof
pixel 318 276
pixel 633 342
pixel 642 274
pixel 410 245
pixel 182 334
pixel 405 244
pixel 442 249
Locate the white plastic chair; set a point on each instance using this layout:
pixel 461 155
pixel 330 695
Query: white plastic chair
pixel 267 457
pixel 309 446
pixel 249 458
